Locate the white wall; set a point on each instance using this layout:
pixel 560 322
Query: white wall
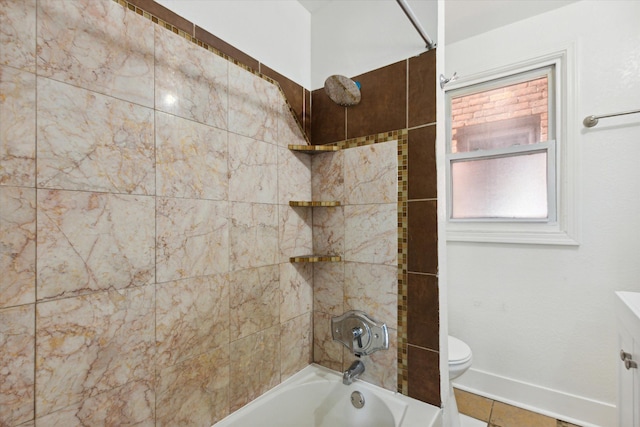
pixel 540 319
pixel 348 37
pixel 277 32
pixel 354 37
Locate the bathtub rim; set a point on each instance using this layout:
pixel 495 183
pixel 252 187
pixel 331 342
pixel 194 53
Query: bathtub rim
pixel 417 414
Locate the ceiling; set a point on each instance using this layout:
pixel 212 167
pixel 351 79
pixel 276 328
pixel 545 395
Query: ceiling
pixel 467 18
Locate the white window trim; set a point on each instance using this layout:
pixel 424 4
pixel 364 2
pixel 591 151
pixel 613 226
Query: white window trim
pixel 565 229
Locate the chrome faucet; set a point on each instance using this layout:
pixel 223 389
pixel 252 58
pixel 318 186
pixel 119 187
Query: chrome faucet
pixel 354 371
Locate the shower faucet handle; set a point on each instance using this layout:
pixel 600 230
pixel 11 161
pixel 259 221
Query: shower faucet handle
pixel 359 333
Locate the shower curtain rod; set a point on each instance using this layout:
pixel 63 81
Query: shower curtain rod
pixel 591 121
pixel 416 24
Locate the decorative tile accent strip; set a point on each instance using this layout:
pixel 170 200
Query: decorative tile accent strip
pixel 315 258
pixel 213 50
pixel 313 204
pixel 402 136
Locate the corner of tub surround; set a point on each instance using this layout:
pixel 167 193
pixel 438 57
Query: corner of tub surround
pixel 179 28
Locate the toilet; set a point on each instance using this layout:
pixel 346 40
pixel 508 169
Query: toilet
pixel 460 358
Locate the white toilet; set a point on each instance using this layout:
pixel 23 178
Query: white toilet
pixel 460 358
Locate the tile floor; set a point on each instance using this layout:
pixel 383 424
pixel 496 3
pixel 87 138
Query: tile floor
pixel 480 411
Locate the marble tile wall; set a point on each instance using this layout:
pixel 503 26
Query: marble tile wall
pixel 144 224
pixel 363 230
pixel 398 98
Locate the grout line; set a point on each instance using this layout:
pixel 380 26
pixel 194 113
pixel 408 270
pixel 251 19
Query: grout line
pixel 491 413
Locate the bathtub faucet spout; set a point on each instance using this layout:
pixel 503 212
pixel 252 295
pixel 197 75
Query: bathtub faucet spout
pixel 354 371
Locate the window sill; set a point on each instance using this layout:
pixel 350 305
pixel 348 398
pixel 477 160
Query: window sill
pixel 536 234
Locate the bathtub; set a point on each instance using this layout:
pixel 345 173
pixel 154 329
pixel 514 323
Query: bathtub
pixel 316 397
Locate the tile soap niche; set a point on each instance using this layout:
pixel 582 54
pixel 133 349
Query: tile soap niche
pixel 314 149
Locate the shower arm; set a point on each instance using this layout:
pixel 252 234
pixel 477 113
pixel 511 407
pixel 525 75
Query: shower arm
pixel 416 24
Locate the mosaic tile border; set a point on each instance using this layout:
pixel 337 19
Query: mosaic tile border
pixel 189 37
pixel 402 137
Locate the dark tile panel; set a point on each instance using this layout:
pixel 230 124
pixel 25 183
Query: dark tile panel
pixel 224 47
pixel 423 324
pixel 328 119
pixel 422 163
pixel 424 375
pixel 307 114
pixel 292 90
pixel 383 106
pixel 165 14
pixel 422 237
pixel 422 89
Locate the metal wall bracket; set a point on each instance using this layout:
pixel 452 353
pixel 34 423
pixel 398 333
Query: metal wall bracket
pixel 359 333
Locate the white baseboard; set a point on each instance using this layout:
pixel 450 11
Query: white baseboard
pixel 556 404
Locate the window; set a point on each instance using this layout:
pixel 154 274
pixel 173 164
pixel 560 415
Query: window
pixel 504 180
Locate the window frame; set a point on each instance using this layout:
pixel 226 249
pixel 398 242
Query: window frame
pixel 561 229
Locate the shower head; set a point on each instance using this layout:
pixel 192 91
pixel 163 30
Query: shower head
pixel 342 90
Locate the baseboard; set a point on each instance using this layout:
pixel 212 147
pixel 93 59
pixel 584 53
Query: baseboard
pixel 556 404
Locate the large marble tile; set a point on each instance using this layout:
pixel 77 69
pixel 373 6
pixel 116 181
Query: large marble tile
pixel 289 131
pixel 328 288
pixel 190 81
pixel 253 170
pixel 91 344
pixel 327 176
pixel 17 342
pixel 296 345
pixel 192 238
pixel 18 34
pixel 192 317
pixel 93 241
pixel 294 176
pixel 295 232
pixel 132 404
pixel 254 300
pixel 254 105
pixel 371 174
pixel 191 159
pixel 88 141
pixel 296 290
pixel 372 288
pixel 326 351
pixel 329 231
pixel 18 129
pixel 194 392
pixel 371 233
pixel 253 235
pixel 17 246
pixel 256 366
pixel 97 45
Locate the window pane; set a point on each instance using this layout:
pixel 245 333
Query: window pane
pixel 504 187
pixel 509 115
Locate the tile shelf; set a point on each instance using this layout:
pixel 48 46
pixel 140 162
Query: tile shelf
pixel 316 258
pixel 314 149
pixel 313 204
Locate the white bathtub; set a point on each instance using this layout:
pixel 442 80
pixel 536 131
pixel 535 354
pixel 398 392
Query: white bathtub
pixel 316 397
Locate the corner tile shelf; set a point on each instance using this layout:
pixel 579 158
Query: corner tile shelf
pixel 314 149
pixel 316 258
pixel 313 204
